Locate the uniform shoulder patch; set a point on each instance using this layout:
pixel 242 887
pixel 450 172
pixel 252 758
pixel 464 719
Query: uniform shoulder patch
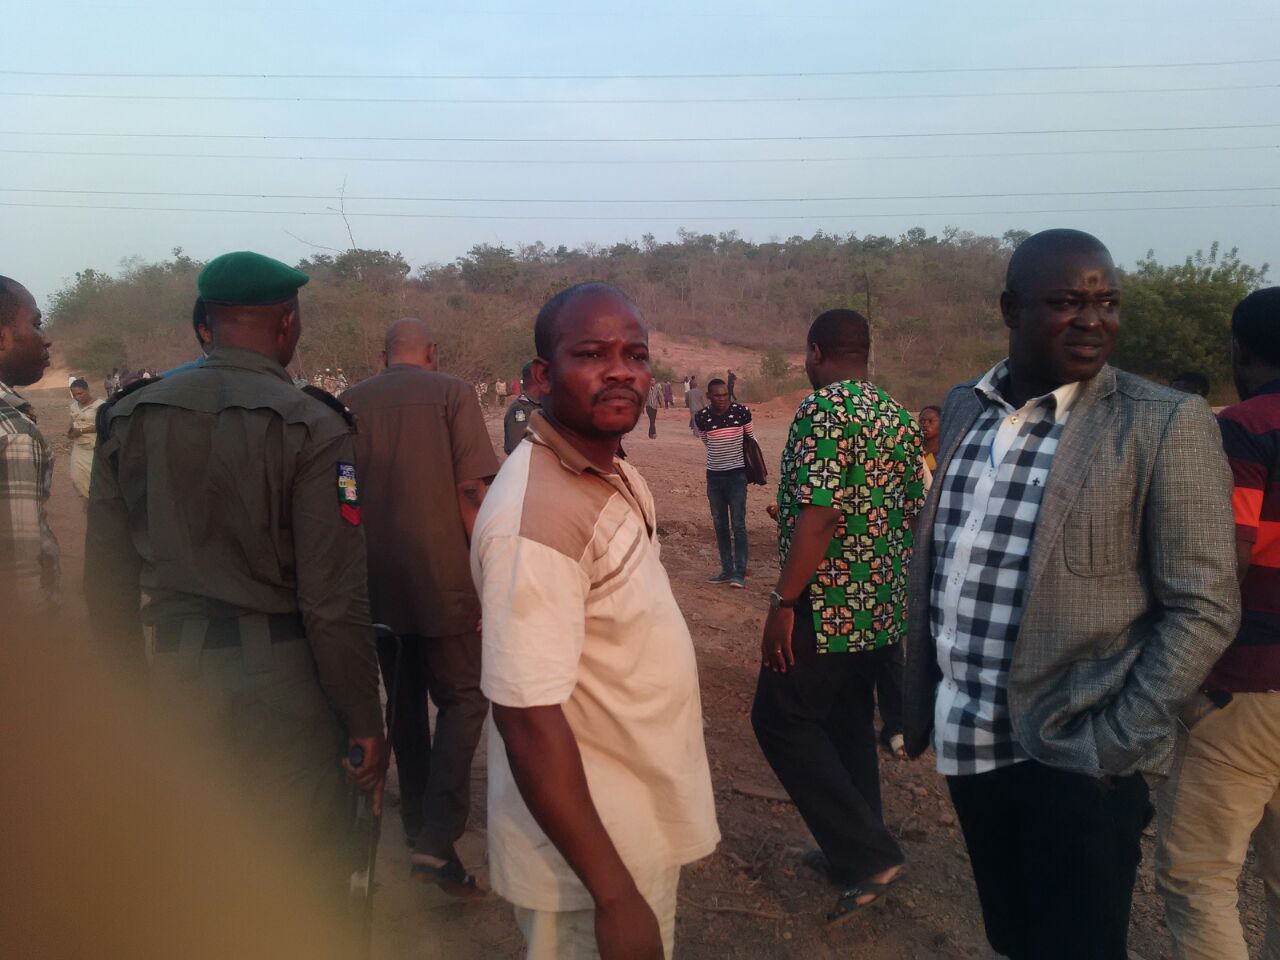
pixel 101 418
pixel 348 493
pixel 521 416
pixel 332 402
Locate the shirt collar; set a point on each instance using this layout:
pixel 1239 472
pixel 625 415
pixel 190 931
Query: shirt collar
pixel 1272 387
pixel 551 438
pixel 990 390
pixel 243 359
pixel 17 401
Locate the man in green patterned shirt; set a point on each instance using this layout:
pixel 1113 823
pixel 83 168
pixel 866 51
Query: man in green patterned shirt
pixel 850 488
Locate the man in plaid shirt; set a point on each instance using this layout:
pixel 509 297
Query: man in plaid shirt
pixel 1073 582
pixel 28 550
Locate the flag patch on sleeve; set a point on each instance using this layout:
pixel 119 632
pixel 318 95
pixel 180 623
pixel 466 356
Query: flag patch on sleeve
pixel 348 494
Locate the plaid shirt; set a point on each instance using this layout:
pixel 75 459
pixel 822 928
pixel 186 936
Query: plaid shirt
pixel 28 549
pixel 988 505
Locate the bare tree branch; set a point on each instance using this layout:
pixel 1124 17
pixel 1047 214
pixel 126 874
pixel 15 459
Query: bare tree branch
pixel 342 209
pixel 318 246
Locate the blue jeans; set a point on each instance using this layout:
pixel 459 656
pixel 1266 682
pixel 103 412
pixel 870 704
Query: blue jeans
pixel 727 494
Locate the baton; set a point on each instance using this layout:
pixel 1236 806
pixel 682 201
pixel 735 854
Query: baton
pixel 361 883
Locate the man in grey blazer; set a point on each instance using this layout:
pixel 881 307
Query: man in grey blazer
pixel 1073 582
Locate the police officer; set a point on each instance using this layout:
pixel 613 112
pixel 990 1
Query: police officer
pixel 224 515
pixel 521 410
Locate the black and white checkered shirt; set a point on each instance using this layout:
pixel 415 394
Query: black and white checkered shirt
pixel 987 509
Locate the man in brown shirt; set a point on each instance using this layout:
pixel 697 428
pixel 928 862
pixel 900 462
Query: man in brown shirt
pixel 424 461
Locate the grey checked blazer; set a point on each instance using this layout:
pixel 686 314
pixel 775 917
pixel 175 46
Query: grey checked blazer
pixel 1131 594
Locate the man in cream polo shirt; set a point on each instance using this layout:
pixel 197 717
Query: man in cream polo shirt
pixel 599 789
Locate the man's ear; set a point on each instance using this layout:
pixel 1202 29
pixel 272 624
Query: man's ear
pixel 1009 309
pixel 540 370
pixel 1241 355
pixel 288 322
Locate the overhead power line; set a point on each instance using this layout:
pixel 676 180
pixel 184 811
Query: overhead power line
pixel 875 72
pixel 854 12
pixel 564 101
pixel 684 219
pixel 631 200
pixel 661 161
pixel 783 138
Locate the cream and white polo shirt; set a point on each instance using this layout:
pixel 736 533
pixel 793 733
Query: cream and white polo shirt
pixel 578 612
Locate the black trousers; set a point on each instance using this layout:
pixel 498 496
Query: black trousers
pixel 435 777
pixel 816 726
pixel 1055 856
pixel 889 693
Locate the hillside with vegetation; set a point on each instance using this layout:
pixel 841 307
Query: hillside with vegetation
pixel 932 301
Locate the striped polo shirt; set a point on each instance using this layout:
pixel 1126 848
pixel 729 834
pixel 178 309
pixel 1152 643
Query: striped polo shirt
pixel 723 433
pixel 1251 438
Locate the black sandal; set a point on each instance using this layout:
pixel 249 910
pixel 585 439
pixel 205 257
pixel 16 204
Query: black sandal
pixel 848 903
pixel 452 878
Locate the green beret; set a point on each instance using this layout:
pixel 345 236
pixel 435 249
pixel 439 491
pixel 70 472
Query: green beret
pixel 249 279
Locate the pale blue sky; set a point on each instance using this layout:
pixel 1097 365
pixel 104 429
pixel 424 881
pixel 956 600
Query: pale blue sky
pixel 41 246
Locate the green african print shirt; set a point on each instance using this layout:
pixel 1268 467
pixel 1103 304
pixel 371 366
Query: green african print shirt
pixel 853 447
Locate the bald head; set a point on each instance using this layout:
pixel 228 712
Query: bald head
pixel 547 325
pixel 409 340
pixel 13 297
pixel 1047 250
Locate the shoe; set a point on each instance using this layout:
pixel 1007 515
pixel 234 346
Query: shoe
pixel 848 903
pixel 738 583
pixel 449 875
pixel 721 578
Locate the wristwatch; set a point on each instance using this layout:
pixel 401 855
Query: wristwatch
pixel 776 602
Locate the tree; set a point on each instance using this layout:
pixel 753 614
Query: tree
pixel 97 354
pixel 74 302
pixel 378 269
pixel 720 287
pixel 1013 239
pixel 907 334
pixel 1176 318
pixel 773 365
pixel 489 268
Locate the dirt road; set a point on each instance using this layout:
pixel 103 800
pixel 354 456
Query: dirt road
pixel 752 898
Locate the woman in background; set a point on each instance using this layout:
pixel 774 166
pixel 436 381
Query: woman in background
pixel 930 425
pixel 83 434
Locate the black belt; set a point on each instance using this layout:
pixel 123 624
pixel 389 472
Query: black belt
pixel 224 632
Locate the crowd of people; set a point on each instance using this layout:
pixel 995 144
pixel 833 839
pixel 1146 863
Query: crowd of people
pixel 1043 577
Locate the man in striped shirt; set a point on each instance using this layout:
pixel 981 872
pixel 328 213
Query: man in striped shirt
pixel 722 425
pixel 1225 783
